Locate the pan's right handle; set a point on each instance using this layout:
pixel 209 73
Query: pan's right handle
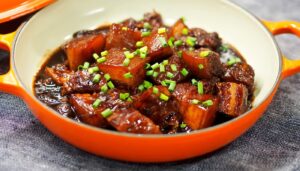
pixel 290 67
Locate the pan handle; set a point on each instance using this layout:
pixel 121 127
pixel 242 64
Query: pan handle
pixel 8 81
pixel 290 67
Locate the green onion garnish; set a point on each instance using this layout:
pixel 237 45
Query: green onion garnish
pixel 143 52
pixel 124 28
pixel 184 72
pixel 86 65
pixel 155 90
pixel 165 62
pixel 223 48
pixel 96 103
pixel 101 60
pixel 162 68
pixel 141 87
pixel 155 66
pixel 155 74
pixel 200 87
pixel 111 85
pixel 185 31
pixel 183 125
pixel 183 19
pixel 139 44
pixel 170 42
pixel 146 33
pixel 163 83
pixel 128 75
pixel 106 113
pixel 173 67
pixel 163 97
pixel 147 66
pixel 104 88
pixel 163 41
pixel 107 77
pixel 178 43
pixel 207 103
pixel 170 75
pixel 194 81
pixel 147 84
pixel 104 53
pixel 161 30
pixel 128 54
pixel 195 101
pixel 191 41
pixel 96 78
pixel 204 53
pixel 96 56
pixel 126 62
pixel 124 96
pixel 179 53
pixel 147 25
pixel 200 66
pixel 149 73
pixel 80 67
pixel 172 86
pixel 93 70
pixel 233 60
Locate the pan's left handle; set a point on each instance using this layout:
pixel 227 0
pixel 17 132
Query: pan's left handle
pixel 8 81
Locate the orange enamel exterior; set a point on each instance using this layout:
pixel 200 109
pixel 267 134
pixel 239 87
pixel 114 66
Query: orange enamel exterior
pixel 11 9
pixel 129 147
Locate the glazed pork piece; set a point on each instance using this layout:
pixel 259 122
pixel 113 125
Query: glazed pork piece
pixel 144 77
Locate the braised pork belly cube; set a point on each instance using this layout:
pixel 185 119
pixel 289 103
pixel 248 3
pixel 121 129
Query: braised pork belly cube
pixel 198 110
pixel 83 82
pixel 233 98
pixel 177 30
pixel 132 121
pixel 203 63
pixel 59 73
pixel 158 104
pixel 120 36
pixel 241 73
pixel 205 39
pixel 130 75
pixel 174 69
pixel 81 49
pixel 83 105
pixel 157 45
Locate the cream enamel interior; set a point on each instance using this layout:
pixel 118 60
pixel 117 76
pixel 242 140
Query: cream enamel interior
pixel 52 26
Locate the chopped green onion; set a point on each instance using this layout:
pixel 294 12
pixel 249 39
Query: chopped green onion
pixel 155 74
pixel 191 48
pixel 96 103
pixel 96 78
pixel 155 66
pixel 155 90
pixel 183 19
pixel 149 73
pixel 170 42
pixel 129 99
pixel 143 55
pixel 141 87
pixel 165 62
pixel 126 62
pixel 96 56
pixel 104 53
pixel 128 54
pixel 172 86
pixel 139 44
pixel 147 66
pixel 184 72
pixel 200 87
pixel 136 52
pixel 163 97
pixel 86 65
pixel 128 75
pixel 223 48
pixel 124 96
pixel 147 84
pixel 93 70
pixel 200 66
pixel 163 41
pixel 101 60
pixel 147 25
pixel 106 113
pixel 146 33
pixel 204 53
pixel 124 28
pixel 233 60
pixel 207 103
pixel 170 75
pixel 178 43
pixel 107 77
pixel 162 68
pixel 111 85
pixel 185 31
pixel 143 52
pixel 161 30
pixel 191 41
pixel 183 125
pixel 179 53
pixel 195 101
pixel 163 83
pixel 194 81
pixel 173 67
pixel 104 88
pixel 169 81
pixel 80 67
